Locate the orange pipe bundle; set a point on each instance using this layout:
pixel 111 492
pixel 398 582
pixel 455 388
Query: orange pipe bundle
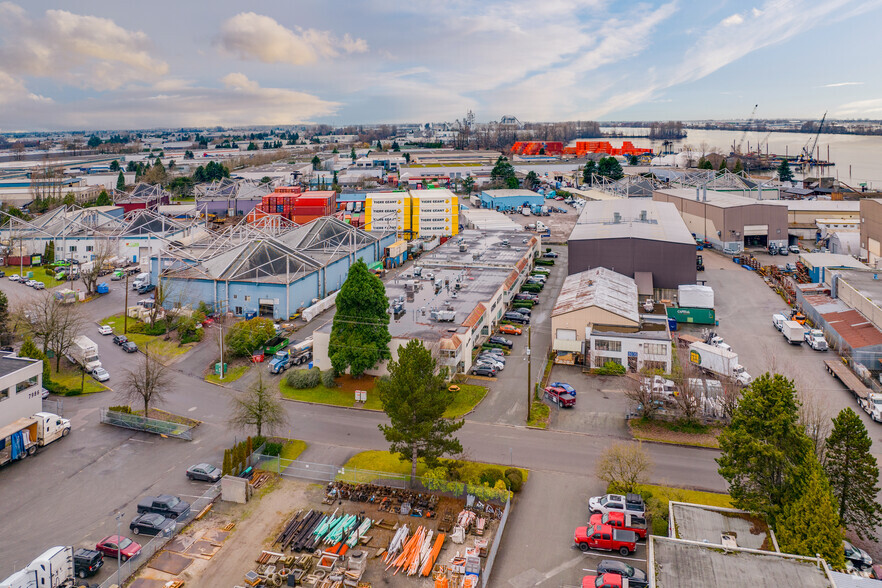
pixel 411 549
pixel 433 555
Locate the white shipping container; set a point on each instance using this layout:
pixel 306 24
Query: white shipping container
pixel 695 296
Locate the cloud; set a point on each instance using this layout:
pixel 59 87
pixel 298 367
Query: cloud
pixel 238 101
pixel 841 84
pixel 860 108
pixel 86 51
pixel 13 90
pixel 254 36
pixel 731 21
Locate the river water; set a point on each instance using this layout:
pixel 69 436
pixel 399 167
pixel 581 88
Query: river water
pixel 858 158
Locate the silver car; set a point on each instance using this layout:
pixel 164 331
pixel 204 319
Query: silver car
pixel 100 374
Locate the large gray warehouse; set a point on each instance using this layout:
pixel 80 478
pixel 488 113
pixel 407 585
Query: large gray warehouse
pixel 639 238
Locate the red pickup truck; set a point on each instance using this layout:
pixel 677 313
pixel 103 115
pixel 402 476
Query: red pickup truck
pixel 621 520
pixel 605 538
pixel 605 581
pixel 560 397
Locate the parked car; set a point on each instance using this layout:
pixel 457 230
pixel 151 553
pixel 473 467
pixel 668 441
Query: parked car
pixel 569 389
pixel 631 503
pixel 150 524
pixel 509 330
pixel 204 472
pixel 605 581
pixel 541 270
pixel 166 505
pixel 146 288
pixel 87 562
pixel 551 254
pixel 14 277
pixel 30 282
pixel 560 397
pixel 39 286
pixel 534 298
pixel 490 361
pixel 523 311
pixel 496 340
pixel 2 274
pixel 105 330
pixel 621 520
pixel 129 347
pixel 483 370
pixel 494 351
pixel 516 317
pixel 117 544
pixel 100 374
pixel 500 359
pixel 120 339
pixel 857 557
pixel 635 576
pixel 794 249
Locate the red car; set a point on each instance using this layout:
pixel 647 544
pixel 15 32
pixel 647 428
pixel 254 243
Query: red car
pixel 560 397
pixel 117 543
pixel 509 330
pixel 207 322
pixel 604 581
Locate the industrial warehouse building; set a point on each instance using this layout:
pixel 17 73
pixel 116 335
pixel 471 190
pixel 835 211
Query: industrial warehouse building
pixel 413 213
pixel 596 320
pixel 636 238
pixel 276 274
pixel 510 199
pixel 464 289
pixel 871 230
pixel 228 197
pixel 729 221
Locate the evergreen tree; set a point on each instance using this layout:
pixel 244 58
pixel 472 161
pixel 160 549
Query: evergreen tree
pixel 705 163
pixel 395 146
pixel 723 165
pixel 502 170
pixel 763 446
pixel 316 162
pixel 468 184
pixel 415 397
pixel 532 180
pixel 379 145
pixel 49 253
pixel 227 468
pixel 94 141
pixel 610 167
pixel 853 474
pixel 103 199
pixel 588 171
pixel 30 349
pixel 352 155
pixel 632 160
pixel 809 525
pixel 784 172
pixel 114 165
pixel 738 167
pixel 360 333
pixel 121 181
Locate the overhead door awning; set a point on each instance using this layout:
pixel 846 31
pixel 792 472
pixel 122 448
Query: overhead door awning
pixel 755 230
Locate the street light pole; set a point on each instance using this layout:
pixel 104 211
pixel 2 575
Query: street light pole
pixel 529 376
pixel 119 517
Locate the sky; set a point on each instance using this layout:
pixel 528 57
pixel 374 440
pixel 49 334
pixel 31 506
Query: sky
pixel 97 64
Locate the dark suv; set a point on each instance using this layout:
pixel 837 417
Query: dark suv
pixel 87 562
pixel 635 576
pixel 516 317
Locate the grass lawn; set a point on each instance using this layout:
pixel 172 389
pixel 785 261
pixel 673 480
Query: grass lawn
pixel 72 378
pixel 384 461
pixel 233 374
pixel 155 344
pixel 539 414
pixel 674 432
pixel 466 399
pixel 290 451
pixel 39 275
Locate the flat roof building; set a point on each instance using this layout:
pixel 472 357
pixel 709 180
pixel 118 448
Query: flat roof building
pixel 729 221
pixel 510 199
pixel 871 230
pixel 21 382
pixel 634 236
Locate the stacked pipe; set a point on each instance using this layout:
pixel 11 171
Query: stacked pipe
pixel 304 533
pixel 289 528
pixel 415 555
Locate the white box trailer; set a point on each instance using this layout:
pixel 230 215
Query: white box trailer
pixel 84 352
pixel 793 332
pixel 715 360
pixel 54 568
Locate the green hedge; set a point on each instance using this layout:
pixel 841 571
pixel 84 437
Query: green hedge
pixel 544 261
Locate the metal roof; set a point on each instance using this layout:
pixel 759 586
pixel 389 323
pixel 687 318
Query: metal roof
pixel 698 522
pixel 831 260
pixel 714 198
pixel 602 288
pixel 634 219
pixel 854 328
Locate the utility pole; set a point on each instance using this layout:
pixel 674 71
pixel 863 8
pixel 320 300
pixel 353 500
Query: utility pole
pixel 119 516
pixel 126 306
pixel 529 375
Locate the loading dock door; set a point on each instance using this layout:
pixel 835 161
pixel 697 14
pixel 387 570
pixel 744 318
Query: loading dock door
pixel 267 307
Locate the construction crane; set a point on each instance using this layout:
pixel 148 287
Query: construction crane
pixel 808 154
pixel 759 146
pixel 746 127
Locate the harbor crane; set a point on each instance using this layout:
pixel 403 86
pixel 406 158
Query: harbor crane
pixel 746 127
pixel 808 154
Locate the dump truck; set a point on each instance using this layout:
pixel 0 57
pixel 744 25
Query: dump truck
pixel 54 568
pixel 21 438
pixel 275 345
pixel 717 361
pixel 84 352
pixel 299 353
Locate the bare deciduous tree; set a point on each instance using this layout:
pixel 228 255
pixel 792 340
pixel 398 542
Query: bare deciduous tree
pixel 687 398
pixel 258 407
pixel 148 382
pixel 106 249
pixel 54 324
pixel 624 466
pixel 643 396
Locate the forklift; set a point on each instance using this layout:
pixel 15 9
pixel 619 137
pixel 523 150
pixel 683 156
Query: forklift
pixel 699 263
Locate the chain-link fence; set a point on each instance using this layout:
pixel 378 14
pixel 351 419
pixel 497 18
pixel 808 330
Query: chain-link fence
pixel 148 425
pixel 497 540
pixel 156 544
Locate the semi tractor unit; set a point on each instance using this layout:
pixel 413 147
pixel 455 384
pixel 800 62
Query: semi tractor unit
pixel 22 437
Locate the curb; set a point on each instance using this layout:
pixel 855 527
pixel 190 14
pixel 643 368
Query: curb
pixel 372 410
pixel 717 449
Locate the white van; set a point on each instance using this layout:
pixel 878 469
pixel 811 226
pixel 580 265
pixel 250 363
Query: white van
pixel 142 280
pixel 778 321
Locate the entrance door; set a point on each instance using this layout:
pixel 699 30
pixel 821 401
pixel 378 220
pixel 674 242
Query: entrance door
pixel 266 307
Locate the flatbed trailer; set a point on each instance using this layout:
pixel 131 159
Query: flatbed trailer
pixel 848 378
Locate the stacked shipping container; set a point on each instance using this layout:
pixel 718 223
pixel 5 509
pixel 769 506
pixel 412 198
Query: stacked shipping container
pixel 297 206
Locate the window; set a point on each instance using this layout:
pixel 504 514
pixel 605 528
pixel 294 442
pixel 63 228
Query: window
pixel 607 345
pixel 89 248
pixel 606 536
pixel 599 360
pixel 73 248
pixel 4 394
pixel 654 348
pixel 247 298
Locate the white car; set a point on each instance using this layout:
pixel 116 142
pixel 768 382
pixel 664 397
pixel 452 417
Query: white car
pixel 38 286
pixel 794 249
pixel 100 374
pixel 105 330
pixel 14 277
pixel 30 282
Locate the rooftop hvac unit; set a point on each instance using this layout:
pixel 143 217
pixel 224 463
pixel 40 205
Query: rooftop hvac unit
pixel 617 218
pixel 643 216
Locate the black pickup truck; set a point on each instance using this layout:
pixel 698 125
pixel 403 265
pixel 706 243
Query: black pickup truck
pixel 168 506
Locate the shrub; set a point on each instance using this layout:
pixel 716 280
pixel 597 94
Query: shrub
pixel 611 368
pixel 303 379
pixel 273 449
pixel 123 408
pixel 544 261
pixel 515 479
pixel 328 379
pixel 160 327
pixel 490 476
pixel 56 388
pixel 522 304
